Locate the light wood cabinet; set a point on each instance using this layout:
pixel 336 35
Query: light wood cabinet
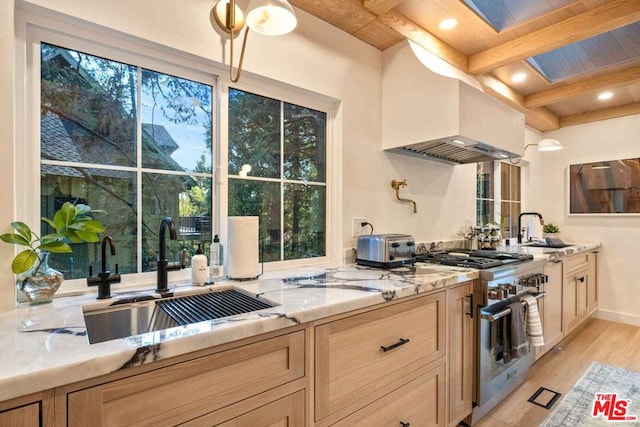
pixel 417 403
pixel 579 290
pixel 592 286
pixel 181 392
pixel 28 411
pixel 460 352
pixel 24 416
pixel 358 356
pixel 551 308
pixel 287 411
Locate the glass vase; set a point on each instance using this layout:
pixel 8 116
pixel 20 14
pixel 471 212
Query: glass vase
pixel 40 282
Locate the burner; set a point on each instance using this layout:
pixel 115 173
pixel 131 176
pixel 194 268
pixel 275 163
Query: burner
pixel 480 259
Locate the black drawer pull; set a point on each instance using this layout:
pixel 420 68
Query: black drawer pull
pixel 402 341
pixel 404 424
pixel 470 313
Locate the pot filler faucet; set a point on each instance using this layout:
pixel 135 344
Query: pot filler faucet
pixel 520 222
pixel 163 265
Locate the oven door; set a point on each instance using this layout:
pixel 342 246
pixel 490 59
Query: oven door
pixel 497 374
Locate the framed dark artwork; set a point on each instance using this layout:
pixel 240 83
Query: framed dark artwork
pixel 606 187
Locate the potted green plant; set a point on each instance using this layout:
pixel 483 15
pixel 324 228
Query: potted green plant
pixel 72 224
pixel 550 230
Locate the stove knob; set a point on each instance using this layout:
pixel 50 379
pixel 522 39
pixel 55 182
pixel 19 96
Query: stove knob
pixel 391 257
pixel 395 245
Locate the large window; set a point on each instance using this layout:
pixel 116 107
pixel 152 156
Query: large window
pixel 128 140
pixel 277 171
pixel 498 196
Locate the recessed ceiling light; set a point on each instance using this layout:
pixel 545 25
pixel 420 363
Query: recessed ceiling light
pixel 448 24
pixel 518 77
pixel 605 95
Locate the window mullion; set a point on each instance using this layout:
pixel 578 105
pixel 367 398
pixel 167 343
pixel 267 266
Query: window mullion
pixel 282 181
pixel 139 170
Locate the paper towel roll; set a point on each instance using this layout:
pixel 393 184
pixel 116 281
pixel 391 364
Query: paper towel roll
pixel 242 247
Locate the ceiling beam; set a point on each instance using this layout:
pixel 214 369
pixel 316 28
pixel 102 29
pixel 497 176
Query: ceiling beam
pixel 584 87
pixel 541 119
pixel 609 16
pixel 380 6
pixel 594 116
pixel 422 37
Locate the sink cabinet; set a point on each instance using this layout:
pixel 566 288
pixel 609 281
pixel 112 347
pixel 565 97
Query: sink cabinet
pixel 183 391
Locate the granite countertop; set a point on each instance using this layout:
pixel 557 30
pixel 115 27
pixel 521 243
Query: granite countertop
pixel 46 346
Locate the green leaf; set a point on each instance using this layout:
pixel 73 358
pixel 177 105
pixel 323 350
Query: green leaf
pixel 72 235
pixel 56 247
pixel 22 229
pixel 88 236
pixel 23 261
pixel 64 216
pixel 15 239
pixel 48 221
pixel 55 237
pixel 82 210
pixel 90 225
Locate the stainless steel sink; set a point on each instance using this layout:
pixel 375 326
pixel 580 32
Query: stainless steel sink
pixel 133 318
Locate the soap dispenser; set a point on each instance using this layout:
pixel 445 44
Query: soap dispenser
pixel 199 270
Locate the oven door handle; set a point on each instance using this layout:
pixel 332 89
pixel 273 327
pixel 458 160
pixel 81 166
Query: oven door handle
pixel 492 317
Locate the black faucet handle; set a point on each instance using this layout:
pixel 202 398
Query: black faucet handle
pixel 117 272
pixel 90 270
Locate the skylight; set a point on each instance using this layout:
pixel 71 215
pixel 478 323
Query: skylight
pixel 502 14
pixel 604 50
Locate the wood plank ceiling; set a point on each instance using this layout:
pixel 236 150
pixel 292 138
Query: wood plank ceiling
pixel 493 57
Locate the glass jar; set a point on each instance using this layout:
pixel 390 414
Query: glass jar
pixel 40 282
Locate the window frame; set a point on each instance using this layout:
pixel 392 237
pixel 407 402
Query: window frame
pixel 498 198
pixel 302 98
pixel 32 27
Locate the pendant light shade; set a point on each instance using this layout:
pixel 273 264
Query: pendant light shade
pixel 549 145
pixel 271 17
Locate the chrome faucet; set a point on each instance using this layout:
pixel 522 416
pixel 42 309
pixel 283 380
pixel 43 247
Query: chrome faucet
pixel 163 265
pixel 104 279
pixel 520 222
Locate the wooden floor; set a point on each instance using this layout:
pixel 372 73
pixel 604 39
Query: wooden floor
pixel 607 342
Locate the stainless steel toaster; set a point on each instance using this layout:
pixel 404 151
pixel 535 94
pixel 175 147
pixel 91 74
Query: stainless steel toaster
pixel 386 250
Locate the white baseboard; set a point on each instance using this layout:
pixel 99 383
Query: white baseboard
pixel 629 319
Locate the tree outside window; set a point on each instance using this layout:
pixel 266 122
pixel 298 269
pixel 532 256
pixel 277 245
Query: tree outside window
pixel 131 141
pixel 277 171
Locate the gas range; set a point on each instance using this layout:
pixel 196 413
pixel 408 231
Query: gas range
pixel 478 258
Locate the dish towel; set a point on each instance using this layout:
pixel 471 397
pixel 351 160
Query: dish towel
pixel 519 344
pixel 533 324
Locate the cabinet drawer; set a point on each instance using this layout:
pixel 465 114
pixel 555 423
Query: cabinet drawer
pixel 350 360
pixel 27 416
pixel 288 411
pixel 418 403
pixel 183 391
pixel 576 262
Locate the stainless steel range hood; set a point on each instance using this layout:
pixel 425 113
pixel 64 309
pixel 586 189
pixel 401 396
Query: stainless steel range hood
pixel 453 150
pixel 429 116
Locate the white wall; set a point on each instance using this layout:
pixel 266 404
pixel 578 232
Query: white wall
pixel 619 275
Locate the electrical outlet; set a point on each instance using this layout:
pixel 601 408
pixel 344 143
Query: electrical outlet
pixel 358 228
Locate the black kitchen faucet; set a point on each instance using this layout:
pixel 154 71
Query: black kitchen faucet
pixel 163 265
pixel 520 222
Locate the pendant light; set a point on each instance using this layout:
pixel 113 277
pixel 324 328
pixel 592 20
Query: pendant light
pixel 267 17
